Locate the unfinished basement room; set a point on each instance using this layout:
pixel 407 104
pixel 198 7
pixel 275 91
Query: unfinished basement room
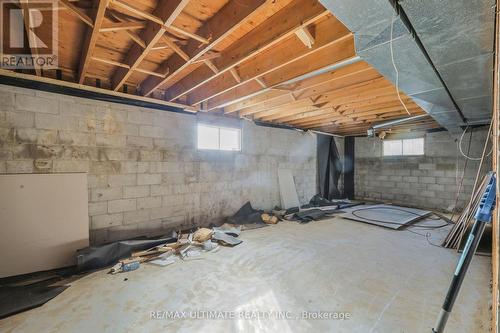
pixel 249 166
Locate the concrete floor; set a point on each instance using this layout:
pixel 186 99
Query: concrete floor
pixel 388 281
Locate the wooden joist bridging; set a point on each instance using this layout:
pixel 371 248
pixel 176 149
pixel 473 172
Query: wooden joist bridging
pixel 78 12
pixel 333 43
pixel 118 18
pixel 305 36
pixel 166 11
pixel 274 30
pixel 221 25
pixel 171 44
pixel 119 26
pixel 123 65
pixel 158 20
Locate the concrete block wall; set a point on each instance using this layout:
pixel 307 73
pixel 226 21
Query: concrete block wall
pixel 145 175
pixel 429 181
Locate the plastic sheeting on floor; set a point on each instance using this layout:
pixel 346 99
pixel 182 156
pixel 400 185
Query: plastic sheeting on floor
pixel 308 215
pixel 247 217
pixel 94 257
pixel 21 298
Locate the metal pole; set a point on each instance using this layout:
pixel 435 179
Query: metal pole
pixel 462 266
pixel 482 216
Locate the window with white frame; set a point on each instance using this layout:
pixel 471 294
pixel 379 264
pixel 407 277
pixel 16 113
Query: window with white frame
pixel 219 138
pixel 404 147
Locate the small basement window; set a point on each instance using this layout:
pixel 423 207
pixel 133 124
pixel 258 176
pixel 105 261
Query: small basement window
pixel 404 147
pixel 219 138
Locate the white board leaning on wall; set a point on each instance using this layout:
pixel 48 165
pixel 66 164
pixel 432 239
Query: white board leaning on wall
pixel 43 221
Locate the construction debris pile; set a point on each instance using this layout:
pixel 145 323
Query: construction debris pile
pixel 187 246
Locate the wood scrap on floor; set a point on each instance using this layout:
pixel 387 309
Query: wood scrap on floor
pixel 269 219
pixel 202 234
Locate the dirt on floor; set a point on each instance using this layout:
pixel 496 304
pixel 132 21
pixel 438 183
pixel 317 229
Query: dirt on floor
pixel 332 275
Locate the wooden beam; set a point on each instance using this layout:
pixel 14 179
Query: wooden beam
pixel 78 12
pixel 108 27
pixel 211 65
pixel 110 62
pixel 210 55
pixel 235 74
pixel 167 11
pixel 158 47
pixel 31 41
pixel 219 26
pixel 362 119
pixel 352 114
pixel 344 81
pixel 153 73
pixel 307 114
pixel 271 32
pixel 91 37
pixel 158 20
pixel 188 34
pixel 261 82
pixel 119 18
pixel 47 80
pixel 171 44
pixel 334 43
pixel 136 38
pixel 292 107
pixel 139 12
pixel 298 113
pixel 310 111
pixel 305 36
pixel 343 117
pixel 336 52
pixel 328 93
pixel 122 65
pixel 279 97
pixel 309 96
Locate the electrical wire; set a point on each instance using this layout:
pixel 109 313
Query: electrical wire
pixel 427 237
pixel 466 156
pixel 459 190
pixel 476 180
pixel 394 65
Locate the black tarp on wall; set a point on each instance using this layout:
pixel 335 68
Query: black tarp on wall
pixel 329 167
pixel 349 167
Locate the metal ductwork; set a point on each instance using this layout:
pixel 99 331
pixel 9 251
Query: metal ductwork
pixel 458 36
pixel 419 77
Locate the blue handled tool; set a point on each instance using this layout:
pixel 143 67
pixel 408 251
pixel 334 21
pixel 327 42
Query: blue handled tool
pixel 482 217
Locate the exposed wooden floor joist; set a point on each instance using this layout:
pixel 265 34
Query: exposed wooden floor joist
pixel 246 58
